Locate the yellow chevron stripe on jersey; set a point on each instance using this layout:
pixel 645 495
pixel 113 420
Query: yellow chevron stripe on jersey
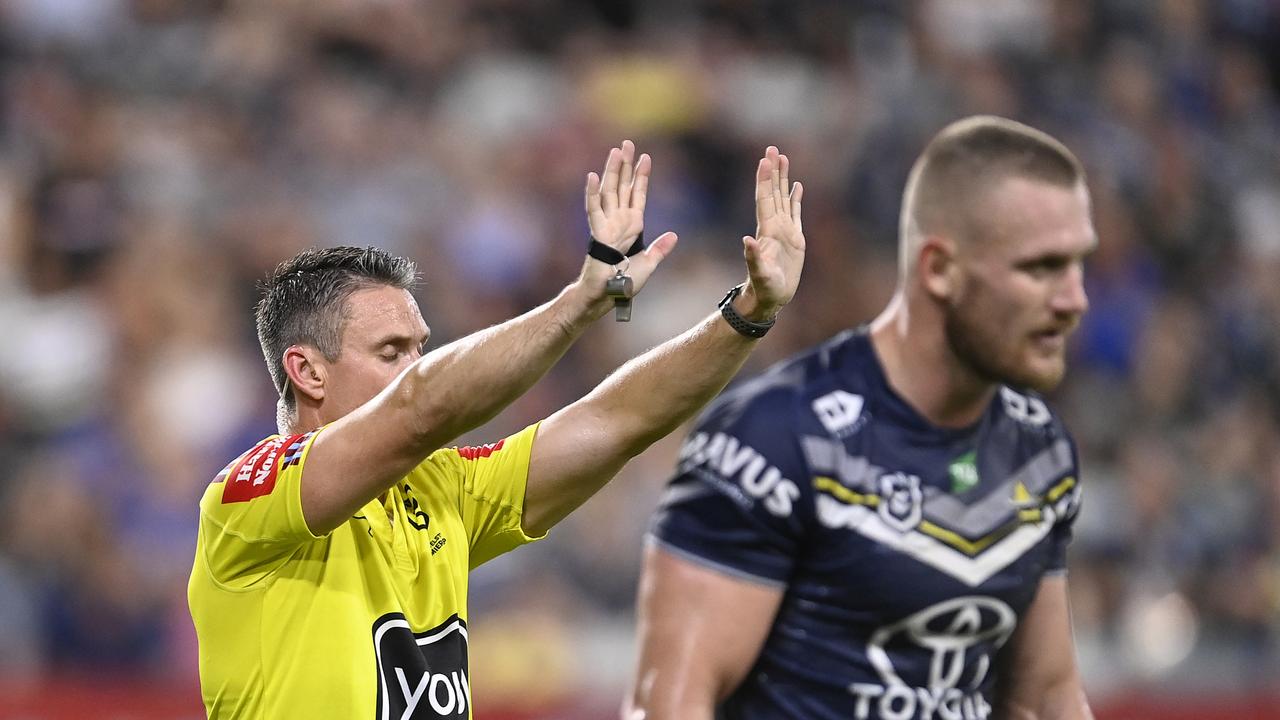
pixel 957 541
pixel 1062 488
pixel 830 485
pixel 1030 512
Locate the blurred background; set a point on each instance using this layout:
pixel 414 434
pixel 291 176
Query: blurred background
pixel 159 157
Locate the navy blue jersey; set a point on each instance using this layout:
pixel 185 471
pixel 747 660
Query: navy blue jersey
pixel 907 551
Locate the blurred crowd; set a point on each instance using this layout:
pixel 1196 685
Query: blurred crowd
pixel 159 157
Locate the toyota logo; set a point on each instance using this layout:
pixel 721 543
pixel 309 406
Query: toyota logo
pixel 949 631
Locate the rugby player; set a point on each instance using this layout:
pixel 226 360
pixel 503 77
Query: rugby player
pixel 330 577
pixel 877 528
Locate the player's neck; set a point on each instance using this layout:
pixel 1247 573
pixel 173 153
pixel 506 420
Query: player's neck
pixel 921 368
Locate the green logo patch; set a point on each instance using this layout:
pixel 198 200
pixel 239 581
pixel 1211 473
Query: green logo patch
pixel 964 472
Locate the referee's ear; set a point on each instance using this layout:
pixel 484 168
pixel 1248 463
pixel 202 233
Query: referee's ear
pixel 306 374
pixel 936 267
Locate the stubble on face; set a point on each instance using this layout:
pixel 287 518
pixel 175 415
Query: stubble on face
pixel 1007 327
pixel 987 349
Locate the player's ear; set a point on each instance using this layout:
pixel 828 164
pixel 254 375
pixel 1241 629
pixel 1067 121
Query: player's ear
pixel 306 370
pixel 937 268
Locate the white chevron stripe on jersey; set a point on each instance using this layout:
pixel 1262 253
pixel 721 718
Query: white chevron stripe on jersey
pixel 972 571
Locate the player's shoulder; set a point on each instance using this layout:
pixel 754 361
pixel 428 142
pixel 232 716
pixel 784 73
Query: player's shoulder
pixel 1029 415
pixel 784 391
pixel 749 445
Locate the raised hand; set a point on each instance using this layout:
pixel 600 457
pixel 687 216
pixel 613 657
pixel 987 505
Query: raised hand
pixel 775 256
pixel 615 213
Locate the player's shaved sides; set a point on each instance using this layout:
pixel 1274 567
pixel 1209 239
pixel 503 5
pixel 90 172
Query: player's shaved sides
pixel 963 161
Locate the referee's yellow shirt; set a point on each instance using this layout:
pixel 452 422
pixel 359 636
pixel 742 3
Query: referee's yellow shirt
pixel 369 621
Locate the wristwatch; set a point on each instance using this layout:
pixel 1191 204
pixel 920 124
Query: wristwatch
pixel 739 323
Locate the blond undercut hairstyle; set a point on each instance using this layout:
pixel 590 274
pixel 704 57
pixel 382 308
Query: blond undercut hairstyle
pixel 963 161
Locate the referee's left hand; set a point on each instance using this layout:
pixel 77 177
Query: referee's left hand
pixel 775 256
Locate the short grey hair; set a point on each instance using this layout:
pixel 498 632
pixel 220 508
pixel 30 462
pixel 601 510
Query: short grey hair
pixel 304 302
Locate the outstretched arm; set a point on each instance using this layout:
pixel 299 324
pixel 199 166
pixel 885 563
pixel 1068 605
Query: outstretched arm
pixel 578 449
pixel 1041 680
pixel 462 385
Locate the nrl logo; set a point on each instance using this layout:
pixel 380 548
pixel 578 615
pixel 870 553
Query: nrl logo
pixel 901 503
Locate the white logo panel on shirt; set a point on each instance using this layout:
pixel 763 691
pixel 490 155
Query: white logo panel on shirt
pixel 1024 408
pixel 421 676
pixel 839 412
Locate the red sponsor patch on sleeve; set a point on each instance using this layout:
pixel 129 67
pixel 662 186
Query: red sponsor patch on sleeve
pixel 482 451
pixel 255 474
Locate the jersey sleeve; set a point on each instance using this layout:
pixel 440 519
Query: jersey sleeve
pixel 492 498
pixel 251 514
pixel 738 499
pixel 1065 497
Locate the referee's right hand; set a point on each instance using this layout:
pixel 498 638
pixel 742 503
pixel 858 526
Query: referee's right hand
pixel 615 213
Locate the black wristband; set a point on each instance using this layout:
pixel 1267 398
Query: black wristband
pixel 610 256
pixel 739 323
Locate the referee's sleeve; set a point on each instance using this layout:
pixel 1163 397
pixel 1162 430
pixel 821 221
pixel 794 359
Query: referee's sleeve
pixel 493 479
pixel 251 515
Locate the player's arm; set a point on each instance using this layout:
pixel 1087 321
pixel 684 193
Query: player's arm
pixel 462 385
pixel 1041 680
pixel 578 449
pixel 700 632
